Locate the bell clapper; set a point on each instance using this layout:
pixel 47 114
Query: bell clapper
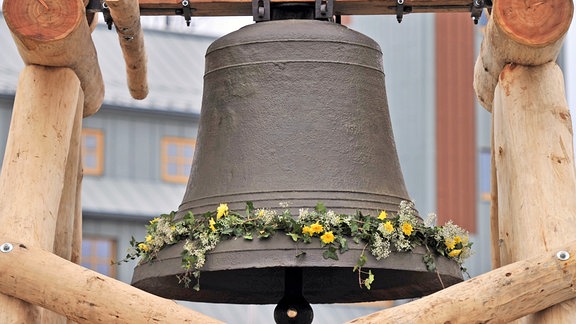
pixel 293 308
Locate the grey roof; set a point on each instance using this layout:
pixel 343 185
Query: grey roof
pixel 129 198
pixel 175 68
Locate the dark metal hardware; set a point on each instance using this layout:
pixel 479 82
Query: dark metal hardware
pixel 324 9
pixel 261 10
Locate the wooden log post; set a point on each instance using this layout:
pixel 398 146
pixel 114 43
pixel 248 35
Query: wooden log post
pixel 126 15
pixel 67 212
pixel 535 168
pixel 85 296
pixel 32 176
pixel 498 296
pixel 521 32
pixel 56 33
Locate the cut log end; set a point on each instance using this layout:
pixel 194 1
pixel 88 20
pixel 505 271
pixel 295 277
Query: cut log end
pixel 36 19
pixel 534 22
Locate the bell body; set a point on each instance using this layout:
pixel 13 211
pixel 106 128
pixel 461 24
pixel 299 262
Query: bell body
pixel 294 111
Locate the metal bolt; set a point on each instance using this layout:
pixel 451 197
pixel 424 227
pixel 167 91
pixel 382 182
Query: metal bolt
pixel 400 2
pixel 104 5
pixel 6 247
pixel 185 3
pixel 563 255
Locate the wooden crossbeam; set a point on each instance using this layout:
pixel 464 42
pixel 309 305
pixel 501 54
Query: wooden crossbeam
pixel 341 7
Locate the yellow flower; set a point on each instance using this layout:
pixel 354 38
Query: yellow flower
pixel 316 228
pixel 144 247
pixel 382 215
pixel 212 223
pixel 172 228
pixel 388 227
pixel 155 220
pixel 306 230
pixel 450 243
pixel 455 253
pixel 407 229
pixel 261 213
pixel 457 239
pixel 222 210
pixel 327 237
pixel 148 238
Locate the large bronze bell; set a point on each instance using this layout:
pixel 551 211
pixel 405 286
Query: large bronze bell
pixel 294 111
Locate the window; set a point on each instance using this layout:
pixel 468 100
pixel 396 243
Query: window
pixel 177 156
pixel 92 151
pixel 98 253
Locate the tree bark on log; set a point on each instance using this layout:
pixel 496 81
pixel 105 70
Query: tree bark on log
pixel 42 278
pixel 32 175
pixel 498 296
pixel 126 15
pixel 535 168
pixel 56 33
pixel 521 32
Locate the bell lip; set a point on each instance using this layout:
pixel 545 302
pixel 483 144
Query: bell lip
pixel 251 272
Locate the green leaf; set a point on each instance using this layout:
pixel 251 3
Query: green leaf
pixel 249 208
pixel 248 236
pixel 330 253
pixel 368 281
pixel 343 244
pixel 294 236
pixel 320 208
pixel 263 235
pixel 428 259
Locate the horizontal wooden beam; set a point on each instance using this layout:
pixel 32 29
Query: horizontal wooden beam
pixel 41 278
pixel 341 7
pixel 498 296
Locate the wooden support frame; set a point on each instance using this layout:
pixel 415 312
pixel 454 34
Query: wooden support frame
pixel 33 172
pixel 56 33
pixel 341 7
pixel 84 296
pixel 537 209
pixel 126 15
pixel 43 157
pixel 520 32
pixel 498 296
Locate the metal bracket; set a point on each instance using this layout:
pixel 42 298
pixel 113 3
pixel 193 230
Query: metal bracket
pixel 187 11
pixel 261 10
pixel 476 10
pixel 107 16
pixel 399 10
pixel 324 9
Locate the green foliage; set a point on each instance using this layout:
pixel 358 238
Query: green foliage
pixel 381 235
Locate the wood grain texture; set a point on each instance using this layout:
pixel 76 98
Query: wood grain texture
pixel 498 296
pixel 534 156
pixel 56 33
pixel 85 296
pixel 33 172
pixel 126 15
pixel 521 32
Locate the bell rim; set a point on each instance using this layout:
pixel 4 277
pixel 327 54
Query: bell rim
pixel 263 260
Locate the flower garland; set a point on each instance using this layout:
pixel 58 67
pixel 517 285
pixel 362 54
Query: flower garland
pixel 399 232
